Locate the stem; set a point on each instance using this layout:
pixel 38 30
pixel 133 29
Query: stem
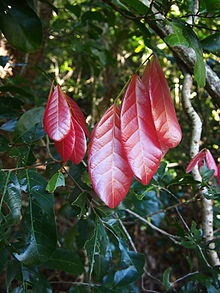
pixel 5 189
pixel 172 237
pixel 207 205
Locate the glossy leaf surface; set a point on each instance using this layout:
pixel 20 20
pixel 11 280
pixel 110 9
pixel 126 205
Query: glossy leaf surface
pixel 42 227
pixel 77 114
pixel 79 148
pixel 108 168
pixel 20 25
pixel 163 111
pixel 57 116
pixel 211 162
pixel 55 181
pixel 195 160
pixel 65 146
pixel 138 132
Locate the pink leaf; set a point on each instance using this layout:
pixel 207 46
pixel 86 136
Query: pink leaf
pixel 57 116
pixel 65 146
pixel 211 162
pixel 195 160
pixel 79 149
pixel 218 175
pixel 77 114
pixel 163 111
pixel 108 168
pixel 138 133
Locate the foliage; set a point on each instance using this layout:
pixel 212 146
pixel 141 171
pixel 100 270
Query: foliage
pixel 54 230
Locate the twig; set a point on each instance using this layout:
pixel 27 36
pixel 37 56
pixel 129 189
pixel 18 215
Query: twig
pixel 126 233
pixel 48 150
pixel 172 237
pixel 77 284
pixel 183 278
pixel 5 189
pixel 74 181
pixel 207 205
pixel 28 167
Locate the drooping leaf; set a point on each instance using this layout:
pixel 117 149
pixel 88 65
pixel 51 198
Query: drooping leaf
pixel 138 5
pixel 57 116
pixel 212 44
pixel 80 202
pixel 56 181
pixel 20 25
pixel 13 198
pixel 195 160
pixel 163 111
pixel 98 246
pixel 79 148
pixel 64 260
pixel 133 267
pixel 42 228
pixel 108 168
pixel 77 114
pixel 166 278
pixel 185 36
pixel 211 162
pixel 29 126
pixel 65 146
pixel 138 132
pixel 211 5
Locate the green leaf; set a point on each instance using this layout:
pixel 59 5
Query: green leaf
pixel 13 270
pixel 29 127
pixel 56 181
pixel 211 5
pixel 133 267
pixel 212 44
pixel 98 246
pixel 13 199
pixel 42 229
pixel 20 25
pixel 184 35
pixel 16 90
pixel 4 144
pixel 81 203
pixel 65 260
pixel 166 278
pixel 139 6
pixel 75 9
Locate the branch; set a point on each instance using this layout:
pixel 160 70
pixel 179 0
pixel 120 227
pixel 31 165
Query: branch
pixel 184 56
pixel 183 278
pixel 172 237
pixel 207 205
pixel 77 284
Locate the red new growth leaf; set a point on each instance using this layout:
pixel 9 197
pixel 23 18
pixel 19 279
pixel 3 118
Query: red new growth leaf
pixel 57 116
pixel 203 155
pixel 218 175
pixel 108 168
pixel 211 162
pixel 79 148
pixel 77 114
pixel 195 160
pixel 163 111
pixel 138 132
pixel 65 146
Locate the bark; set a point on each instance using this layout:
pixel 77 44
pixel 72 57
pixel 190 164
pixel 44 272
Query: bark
pixel 207 205
pixel 187 58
